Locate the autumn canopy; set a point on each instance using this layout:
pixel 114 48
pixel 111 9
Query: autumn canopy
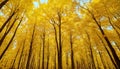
pixel 59 34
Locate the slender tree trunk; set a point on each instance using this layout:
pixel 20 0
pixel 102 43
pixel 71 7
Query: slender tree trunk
pixel 98 66
pixel 10 40
pixel 117 46
pixel 91 52
pixel 15 59
pixel 115 30
pixel 113 27
pixel 3 3
pixel 108 11
pixel 39 58
pixel 78 64
pixel 2 39
pixel 47 66
pixel 10 17
pixel 100 53
pixel 107 51
pixel 60 43
pixel 83 66
pixel 72 53
pixel 56 40
pixel 43 39
pixel 116 58
pixel 117 26
pixel 55 61
pixel 21 54
pixel 102 60
pixel 30 50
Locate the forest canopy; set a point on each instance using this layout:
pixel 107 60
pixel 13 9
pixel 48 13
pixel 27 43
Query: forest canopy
pixel 59 34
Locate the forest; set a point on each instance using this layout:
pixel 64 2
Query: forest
pixel 59 34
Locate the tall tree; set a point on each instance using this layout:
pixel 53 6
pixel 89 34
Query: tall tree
pixel 91 51
pixel 116 58
pixel 11 39
pixel 5 34
pixel 30 49
pixel 10 17
pixel 60 41
pixel 43 46
pixel 48 56
pixel 107 51
pixel 21 54
pixel 72 53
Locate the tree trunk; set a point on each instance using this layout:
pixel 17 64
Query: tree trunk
pixel 10 40
pixel 15 59
pixel 21 54
pixel 55 61
pixel 39 58
pixel 2 39
pixel 116 58
pixel 10 17
pixel 60 44
pixel 3 3
pixel 102 60
pixel 72 53
pixel 107 51
pixel 43 39
pixel 91 52
pixel 48 55
pixel 30 50
pixel 113 27
pixel 57 45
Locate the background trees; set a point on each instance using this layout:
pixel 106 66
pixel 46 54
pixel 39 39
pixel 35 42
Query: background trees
pixel 59 34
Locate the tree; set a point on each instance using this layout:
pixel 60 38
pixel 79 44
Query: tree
pixel 59 34
pixel 72 53
pixel 116 58
pixel 10 39
pixel 30 49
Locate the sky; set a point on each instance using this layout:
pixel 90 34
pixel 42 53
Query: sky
pixel 84 1
pixel 109 28
pixel 36 4
pixel 1 14
pixel 43 1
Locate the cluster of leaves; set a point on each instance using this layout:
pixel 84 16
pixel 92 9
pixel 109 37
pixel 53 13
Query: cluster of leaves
pixel 59 34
